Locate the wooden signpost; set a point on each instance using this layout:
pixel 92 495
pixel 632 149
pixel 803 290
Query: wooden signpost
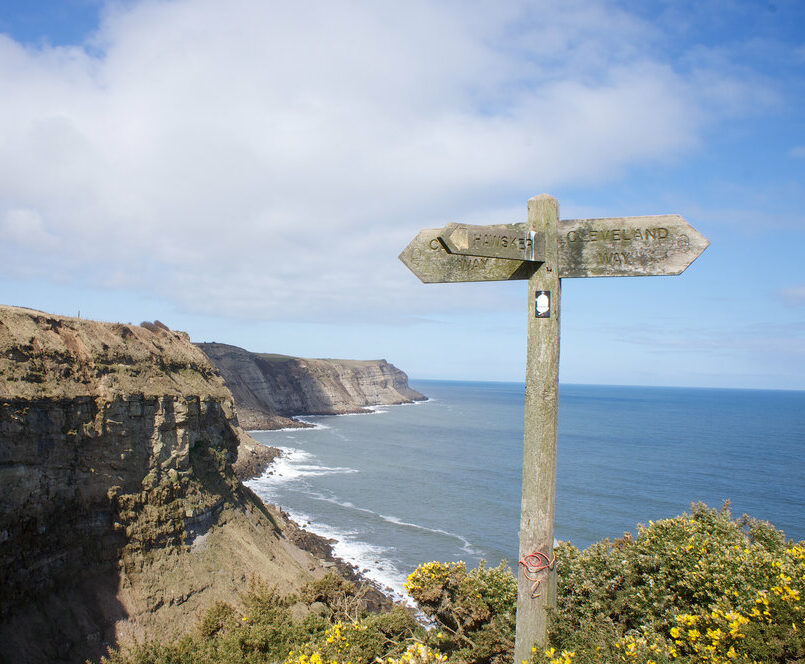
pixel 545 250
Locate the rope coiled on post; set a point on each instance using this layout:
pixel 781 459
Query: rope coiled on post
pixel 533 565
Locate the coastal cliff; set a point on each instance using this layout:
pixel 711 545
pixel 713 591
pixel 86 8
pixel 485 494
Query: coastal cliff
pixel 120 514
pixel 270 389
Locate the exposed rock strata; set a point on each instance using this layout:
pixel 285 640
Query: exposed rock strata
pixel 120 514
pixel 269 389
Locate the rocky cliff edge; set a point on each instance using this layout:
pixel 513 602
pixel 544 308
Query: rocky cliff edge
pixel 119 511
pixel 269 389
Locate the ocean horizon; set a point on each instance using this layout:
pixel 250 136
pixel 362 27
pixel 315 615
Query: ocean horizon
pixel 440 479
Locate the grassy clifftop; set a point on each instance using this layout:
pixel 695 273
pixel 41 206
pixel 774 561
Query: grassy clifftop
pixel 49 356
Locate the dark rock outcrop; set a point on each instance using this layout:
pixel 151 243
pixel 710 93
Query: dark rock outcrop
pixel 270 389
pixel 253 458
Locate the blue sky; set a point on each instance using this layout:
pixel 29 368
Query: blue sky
pixel 249 171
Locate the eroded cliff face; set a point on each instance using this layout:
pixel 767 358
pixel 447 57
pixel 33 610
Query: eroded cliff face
pixel 120 515
pixel 268 389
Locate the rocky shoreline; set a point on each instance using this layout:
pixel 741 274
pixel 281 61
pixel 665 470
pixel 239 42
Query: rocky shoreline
pixel 255 420
pixel 254 459
pixel 374 596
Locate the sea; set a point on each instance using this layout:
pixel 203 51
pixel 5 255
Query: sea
pixel 440 479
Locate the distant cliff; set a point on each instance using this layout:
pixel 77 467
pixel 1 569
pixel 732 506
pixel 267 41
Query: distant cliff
pixel 269 389
pixel 120 514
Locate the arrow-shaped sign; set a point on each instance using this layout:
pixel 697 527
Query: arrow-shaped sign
pixel 627 246
pixel 512 241
pixel 427 258
pixel 612 247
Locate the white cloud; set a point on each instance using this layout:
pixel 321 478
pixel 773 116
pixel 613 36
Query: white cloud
pixel 267 159
pixel 24 228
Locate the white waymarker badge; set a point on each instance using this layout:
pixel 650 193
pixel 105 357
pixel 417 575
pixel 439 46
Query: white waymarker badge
pixel 543 304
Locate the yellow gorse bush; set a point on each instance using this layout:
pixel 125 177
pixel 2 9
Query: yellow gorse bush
pixel 642 648
pixel 564 657
pixel 313 658
pixel 430 574
pixel 474 609
pixel 701 588
pixel 417 654
pixel 777 610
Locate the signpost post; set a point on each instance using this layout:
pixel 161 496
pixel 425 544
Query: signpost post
pixel 545 250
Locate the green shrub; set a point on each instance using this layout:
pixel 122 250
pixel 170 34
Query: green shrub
pixel 363 642
pixel 344 600
pixel 182 651
pixel 218 618
pixel 701 587
pixel 264 631
pixel 329 589
pixel 474 610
